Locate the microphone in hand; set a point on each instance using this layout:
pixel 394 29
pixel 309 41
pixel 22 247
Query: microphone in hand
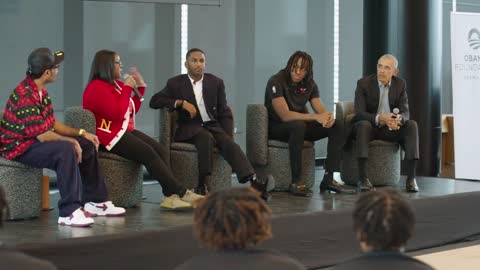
pixel 135 90
pixel 395 112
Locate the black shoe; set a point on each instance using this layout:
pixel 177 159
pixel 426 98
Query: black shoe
pixel 365 185
pixel 411 185
pixel 329 184
pixel 201 190
pixel 300 190
pixel 261 186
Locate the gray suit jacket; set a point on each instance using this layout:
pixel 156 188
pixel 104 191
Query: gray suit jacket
pixel 367 97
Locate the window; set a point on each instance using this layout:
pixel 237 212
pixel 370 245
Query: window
pixel 183 37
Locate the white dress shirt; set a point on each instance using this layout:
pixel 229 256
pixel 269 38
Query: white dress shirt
pixel 198 92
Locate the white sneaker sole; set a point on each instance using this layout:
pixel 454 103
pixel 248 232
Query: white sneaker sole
pixel 106 215
pixel 176 208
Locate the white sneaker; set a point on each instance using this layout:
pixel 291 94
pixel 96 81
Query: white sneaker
pixel 191 197
pixel 79 218
pixel 174 202
pixel 104 209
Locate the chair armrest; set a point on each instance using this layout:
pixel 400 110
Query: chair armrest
pixel 257 134
pixel 78 117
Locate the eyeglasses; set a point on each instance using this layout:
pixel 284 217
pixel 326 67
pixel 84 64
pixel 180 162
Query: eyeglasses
pixel 299 69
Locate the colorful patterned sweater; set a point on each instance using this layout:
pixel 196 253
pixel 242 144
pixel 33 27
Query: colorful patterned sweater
pixel 27 115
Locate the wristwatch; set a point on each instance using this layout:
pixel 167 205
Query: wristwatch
pixel 81 132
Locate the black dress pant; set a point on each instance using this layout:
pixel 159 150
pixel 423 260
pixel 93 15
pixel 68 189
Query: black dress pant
pixel 407 136
pixel 78 183
pixel 139 147
pixel 206 140
pixel 296 132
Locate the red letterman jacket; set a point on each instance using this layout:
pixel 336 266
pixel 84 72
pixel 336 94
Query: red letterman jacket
pixel 110 104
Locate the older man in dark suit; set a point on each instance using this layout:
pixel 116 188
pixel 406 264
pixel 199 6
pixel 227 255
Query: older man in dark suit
pixel 205 120
pixel 381 112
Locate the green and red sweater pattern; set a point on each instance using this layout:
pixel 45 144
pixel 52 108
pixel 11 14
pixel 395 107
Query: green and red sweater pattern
pixel 25 117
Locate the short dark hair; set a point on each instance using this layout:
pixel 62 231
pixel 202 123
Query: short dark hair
pixel 3 204
pixel 232 219
pixel 103 66
pixel 383 219
pixel 192 50
pixel 307 64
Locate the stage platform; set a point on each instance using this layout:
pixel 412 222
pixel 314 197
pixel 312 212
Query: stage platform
pixel 315 230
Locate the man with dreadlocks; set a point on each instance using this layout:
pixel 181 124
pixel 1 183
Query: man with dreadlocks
pixel 286 96
pixel 383 222
pixel 232 223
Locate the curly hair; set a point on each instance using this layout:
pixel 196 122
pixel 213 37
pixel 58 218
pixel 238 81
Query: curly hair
pixel 232 219
pixel 383 219
pixel 307 64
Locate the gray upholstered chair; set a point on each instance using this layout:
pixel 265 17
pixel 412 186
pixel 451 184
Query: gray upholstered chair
pixel 183 158
pixel 383 156
pixel 123 177
pixel 23 189
pixel 271 157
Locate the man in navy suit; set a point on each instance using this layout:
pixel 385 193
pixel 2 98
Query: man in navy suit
pixel 376 99
pixel 205 120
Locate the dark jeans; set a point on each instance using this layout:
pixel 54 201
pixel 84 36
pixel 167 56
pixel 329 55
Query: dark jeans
pixel 296 132
pixel 78 183
pixel 139 147
pixel 206 140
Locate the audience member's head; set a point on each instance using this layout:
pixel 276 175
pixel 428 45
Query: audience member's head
pixel 383 220
pixel 3 204
pixel 232 219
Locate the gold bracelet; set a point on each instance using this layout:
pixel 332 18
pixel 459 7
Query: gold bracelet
pixel 81 132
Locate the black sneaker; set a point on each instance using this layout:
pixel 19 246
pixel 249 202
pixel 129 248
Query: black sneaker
pixel 201 190
pixel 329 184
pixel 262 187
pixel 364 185
pixel 300 190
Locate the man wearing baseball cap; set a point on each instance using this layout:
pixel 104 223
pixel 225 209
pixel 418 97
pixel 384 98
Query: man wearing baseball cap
pixel 31 135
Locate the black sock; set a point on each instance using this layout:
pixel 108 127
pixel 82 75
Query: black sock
pixel 362 168
pixel 202 179
pixel 327 177
pixel 411 166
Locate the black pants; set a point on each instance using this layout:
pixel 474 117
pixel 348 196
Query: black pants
pixel 206 140
pixel 407 136
pixel 139 147
pixel 296 132
pixel 78 183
